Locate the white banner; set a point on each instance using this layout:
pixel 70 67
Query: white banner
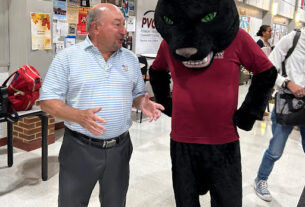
pixel 147 38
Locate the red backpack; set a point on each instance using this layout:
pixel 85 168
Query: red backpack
pixel 23 90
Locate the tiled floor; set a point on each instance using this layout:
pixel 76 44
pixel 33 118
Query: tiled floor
pixel 150 181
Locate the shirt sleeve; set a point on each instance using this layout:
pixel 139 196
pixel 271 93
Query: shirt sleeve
pixel 251 55
pixel 160 63
pixel 55 84
pixel 139 88
pixel 279 53
pixel 260 43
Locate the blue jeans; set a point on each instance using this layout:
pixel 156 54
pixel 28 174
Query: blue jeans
pixel 276 146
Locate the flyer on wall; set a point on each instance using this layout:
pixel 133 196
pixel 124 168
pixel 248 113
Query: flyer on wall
pixel 75 1
pixel 59 9
pixel 40 31
pixel 82 20
pixel 72 30
pixel 72 13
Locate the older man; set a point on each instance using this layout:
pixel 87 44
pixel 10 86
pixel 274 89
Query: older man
pixel 99 81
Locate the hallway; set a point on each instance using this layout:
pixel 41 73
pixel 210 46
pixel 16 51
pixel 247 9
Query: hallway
pixel 150 173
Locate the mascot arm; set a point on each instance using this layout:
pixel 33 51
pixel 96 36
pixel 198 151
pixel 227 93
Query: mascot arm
pixel 256 99
pixel 160 83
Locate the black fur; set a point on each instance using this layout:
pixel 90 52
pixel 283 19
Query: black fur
pixel 160 83
pixel 188 31
pixel 256 99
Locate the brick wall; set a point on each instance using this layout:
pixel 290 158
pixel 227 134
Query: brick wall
pixel 27 133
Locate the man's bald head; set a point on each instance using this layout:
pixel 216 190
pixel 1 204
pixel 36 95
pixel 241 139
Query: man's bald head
pixel 95 14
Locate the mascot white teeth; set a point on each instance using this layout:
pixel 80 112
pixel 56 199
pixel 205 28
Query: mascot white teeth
pixel 202 51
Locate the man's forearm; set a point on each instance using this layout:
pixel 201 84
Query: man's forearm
pixel 59 109
pixel 138 102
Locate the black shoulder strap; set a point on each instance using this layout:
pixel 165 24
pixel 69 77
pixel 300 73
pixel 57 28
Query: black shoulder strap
pixel 13 116
pixel 295 41
pixel 5 82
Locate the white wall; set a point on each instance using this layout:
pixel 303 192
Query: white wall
pixel 21 52
pixel 4 40
pixel 3 76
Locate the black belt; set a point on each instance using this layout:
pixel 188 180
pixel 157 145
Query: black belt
pixel 101 143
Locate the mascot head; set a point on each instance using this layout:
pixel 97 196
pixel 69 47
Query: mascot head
pixel 196 30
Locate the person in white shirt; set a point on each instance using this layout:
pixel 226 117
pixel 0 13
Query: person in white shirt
pixel 295 82
pixel 302 199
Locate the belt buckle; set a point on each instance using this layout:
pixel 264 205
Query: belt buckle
pixel 109 143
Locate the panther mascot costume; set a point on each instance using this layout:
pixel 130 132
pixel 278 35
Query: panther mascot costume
pixel 202 51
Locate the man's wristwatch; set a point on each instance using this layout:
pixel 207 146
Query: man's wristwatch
pixel 285 83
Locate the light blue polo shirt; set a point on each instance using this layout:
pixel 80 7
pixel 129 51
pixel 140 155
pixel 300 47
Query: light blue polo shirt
pixel 80 76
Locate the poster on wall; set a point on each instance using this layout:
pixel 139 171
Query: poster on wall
pixel 70 41
pixel 131 24
pixel 72 13
pixel 94 2
pixel 124 8
pixel 147 37
pixel 131 6
pixel 59 9
pixel 56 32
pixel 255 24
pixel 60 45
pixel 75 2
pixel 244 23
pixel 41 31
pixel 115 2
pixel 82 20
pixel 278 31
pixel 85 3
pixel 72 30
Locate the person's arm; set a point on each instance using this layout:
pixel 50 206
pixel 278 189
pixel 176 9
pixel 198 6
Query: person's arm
pixel 278 55
pixel 256 99
pixel 264 76
pixel 297 90
pixel 148 107
pixel 159 79
pixel 86 118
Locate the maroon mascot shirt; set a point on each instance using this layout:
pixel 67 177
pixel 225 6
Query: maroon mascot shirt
pixel 204 101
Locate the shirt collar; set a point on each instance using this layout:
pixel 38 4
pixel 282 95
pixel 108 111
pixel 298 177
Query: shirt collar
pixel 88 43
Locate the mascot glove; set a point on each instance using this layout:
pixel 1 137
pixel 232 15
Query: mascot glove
pixel 243 120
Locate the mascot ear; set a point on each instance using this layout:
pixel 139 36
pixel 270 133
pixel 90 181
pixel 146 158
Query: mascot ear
pixel 256 99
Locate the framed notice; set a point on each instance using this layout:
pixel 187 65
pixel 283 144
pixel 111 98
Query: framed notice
pixel 59 9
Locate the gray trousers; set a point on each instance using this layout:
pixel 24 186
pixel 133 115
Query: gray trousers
pixel 82 165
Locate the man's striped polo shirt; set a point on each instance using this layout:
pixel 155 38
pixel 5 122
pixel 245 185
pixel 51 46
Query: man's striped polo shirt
pixel 80 76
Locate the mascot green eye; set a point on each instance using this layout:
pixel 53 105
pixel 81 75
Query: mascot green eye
pixel 209 17
pixel 168 20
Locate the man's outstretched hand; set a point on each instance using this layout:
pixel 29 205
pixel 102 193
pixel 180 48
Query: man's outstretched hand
pixel 151 109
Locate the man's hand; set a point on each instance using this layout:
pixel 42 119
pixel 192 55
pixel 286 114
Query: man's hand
pixel 86 118
pixel 148 107
pixel 89 120
pixel 297 90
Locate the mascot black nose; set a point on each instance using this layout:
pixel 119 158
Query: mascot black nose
pixel 186 52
